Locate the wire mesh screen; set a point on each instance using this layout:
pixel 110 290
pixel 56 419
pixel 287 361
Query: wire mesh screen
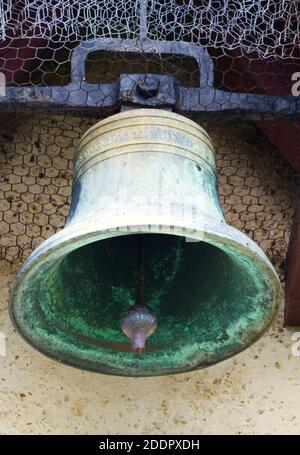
pixel 211 56
pixel 256 184
pixel 269 27
pixel 254 45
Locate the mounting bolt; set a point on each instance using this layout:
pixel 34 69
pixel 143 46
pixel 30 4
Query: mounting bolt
pixel 148 87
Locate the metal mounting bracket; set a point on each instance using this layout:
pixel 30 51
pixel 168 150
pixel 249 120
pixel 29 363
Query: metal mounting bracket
pixel 151 90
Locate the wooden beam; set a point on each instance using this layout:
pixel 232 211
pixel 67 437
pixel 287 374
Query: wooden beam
pixel 292 279
pixel 273 77
pixel 286 138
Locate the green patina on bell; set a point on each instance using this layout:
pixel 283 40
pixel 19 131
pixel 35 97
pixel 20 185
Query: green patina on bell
pixel 213 292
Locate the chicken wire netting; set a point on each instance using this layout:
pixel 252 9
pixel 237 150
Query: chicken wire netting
pixel 269 27
pixel 254 47
pixel 254 44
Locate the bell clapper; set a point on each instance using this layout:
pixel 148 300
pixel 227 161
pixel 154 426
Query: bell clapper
pixel 138 323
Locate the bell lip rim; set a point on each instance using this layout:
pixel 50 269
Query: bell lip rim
pixel 265 265
pixel 138 374
pixel 79 231
pixel 79 238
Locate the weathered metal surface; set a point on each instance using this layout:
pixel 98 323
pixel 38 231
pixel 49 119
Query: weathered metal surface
pixel 138 323
pixel 204 99
pixel 292 289
pixel 212 289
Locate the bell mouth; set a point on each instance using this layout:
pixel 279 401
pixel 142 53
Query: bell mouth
pixel 211 298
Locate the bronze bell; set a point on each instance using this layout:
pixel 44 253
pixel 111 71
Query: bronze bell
pixel 145 174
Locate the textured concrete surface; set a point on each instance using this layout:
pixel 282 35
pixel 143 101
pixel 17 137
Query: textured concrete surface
pixel 256 392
